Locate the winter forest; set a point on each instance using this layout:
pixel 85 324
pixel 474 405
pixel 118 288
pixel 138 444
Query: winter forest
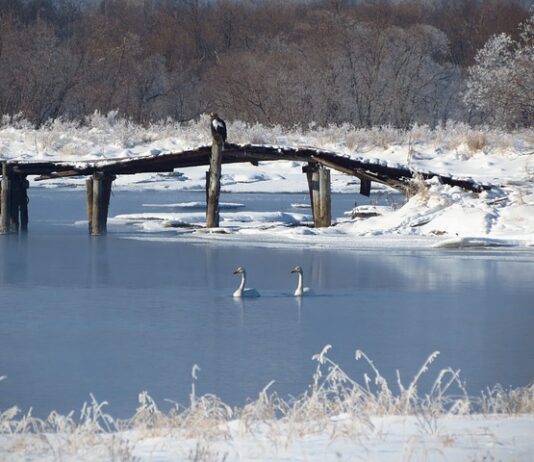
pixel 367 63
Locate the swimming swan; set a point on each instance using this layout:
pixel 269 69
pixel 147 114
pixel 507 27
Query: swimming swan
pixel 300 291
pixel 241 290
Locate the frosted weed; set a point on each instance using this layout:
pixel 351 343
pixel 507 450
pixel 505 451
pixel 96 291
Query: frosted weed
pixel 121 450
pixel 476 141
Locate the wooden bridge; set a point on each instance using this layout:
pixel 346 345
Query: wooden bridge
pixel 316 165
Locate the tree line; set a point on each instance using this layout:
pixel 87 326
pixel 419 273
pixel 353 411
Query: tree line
pixel 368 63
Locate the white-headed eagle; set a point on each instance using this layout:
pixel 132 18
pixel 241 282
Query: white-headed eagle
pixel 218 128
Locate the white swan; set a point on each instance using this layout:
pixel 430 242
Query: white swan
pixel 243 291
pixel 300 291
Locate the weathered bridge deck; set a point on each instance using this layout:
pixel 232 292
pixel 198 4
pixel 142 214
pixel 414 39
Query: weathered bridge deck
pixel 316 164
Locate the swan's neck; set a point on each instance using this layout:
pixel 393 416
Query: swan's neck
pixel 242 285
pixel 241 289
pixel 299 285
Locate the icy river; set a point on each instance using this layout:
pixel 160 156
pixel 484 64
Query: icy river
pixel 114 316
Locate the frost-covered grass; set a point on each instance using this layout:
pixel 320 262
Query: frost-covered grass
pixel 487 155
pixel 336 417
pixel 108 134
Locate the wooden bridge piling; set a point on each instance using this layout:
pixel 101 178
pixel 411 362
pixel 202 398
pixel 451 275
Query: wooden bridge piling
pixel 97 227
pixel 13 201
pixel 107 182
pixel 325 198
pixel 98 194
pixel 23 202
pixel 5 199
pixel 214 185
pixel 320 194
pixel 365 187
pixel 89 202
pixel 207 189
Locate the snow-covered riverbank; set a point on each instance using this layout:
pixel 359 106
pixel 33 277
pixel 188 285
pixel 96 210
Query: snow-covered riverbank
pixel 445 216
pixel 382 439
pixel 440 216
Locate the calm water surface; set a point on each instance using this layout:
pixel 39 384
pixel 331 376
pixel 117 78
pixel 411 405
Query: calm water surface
pixel 114 316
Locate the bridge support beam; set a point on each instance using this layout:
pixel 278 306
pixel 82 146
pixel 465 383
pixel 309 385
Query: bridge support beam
pixel 365 187
pixel 213 185
pixel 13 201
pixel 320 194
pixel 98 193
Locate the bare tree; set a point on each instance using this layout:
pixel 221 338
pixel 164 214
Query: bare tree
pixel 327 61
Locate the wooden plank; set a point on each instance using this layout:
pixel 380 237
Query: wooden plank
pixel 353 168
pixel 63 174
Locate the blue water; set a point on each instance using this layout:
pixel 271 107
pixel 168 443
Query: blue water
pixel 114 316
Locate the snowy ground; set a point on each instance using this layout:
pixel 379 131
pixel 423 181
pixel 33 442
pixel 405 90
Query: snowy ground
pixel 382 439
pixel 439 215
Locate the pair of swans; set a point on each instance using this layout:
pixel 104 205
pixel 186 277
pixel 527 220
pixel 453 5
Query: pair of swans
pixel 243 291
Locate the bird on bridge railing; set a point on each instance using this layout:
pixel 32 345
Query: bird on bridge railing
pixel 218 128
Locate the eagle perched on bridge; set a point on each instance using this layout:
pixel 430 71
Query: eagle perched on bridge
pixel 218 128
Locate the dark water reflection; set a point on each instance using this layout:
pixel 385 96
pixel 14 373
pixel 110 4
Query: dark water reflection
pixel 115 316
